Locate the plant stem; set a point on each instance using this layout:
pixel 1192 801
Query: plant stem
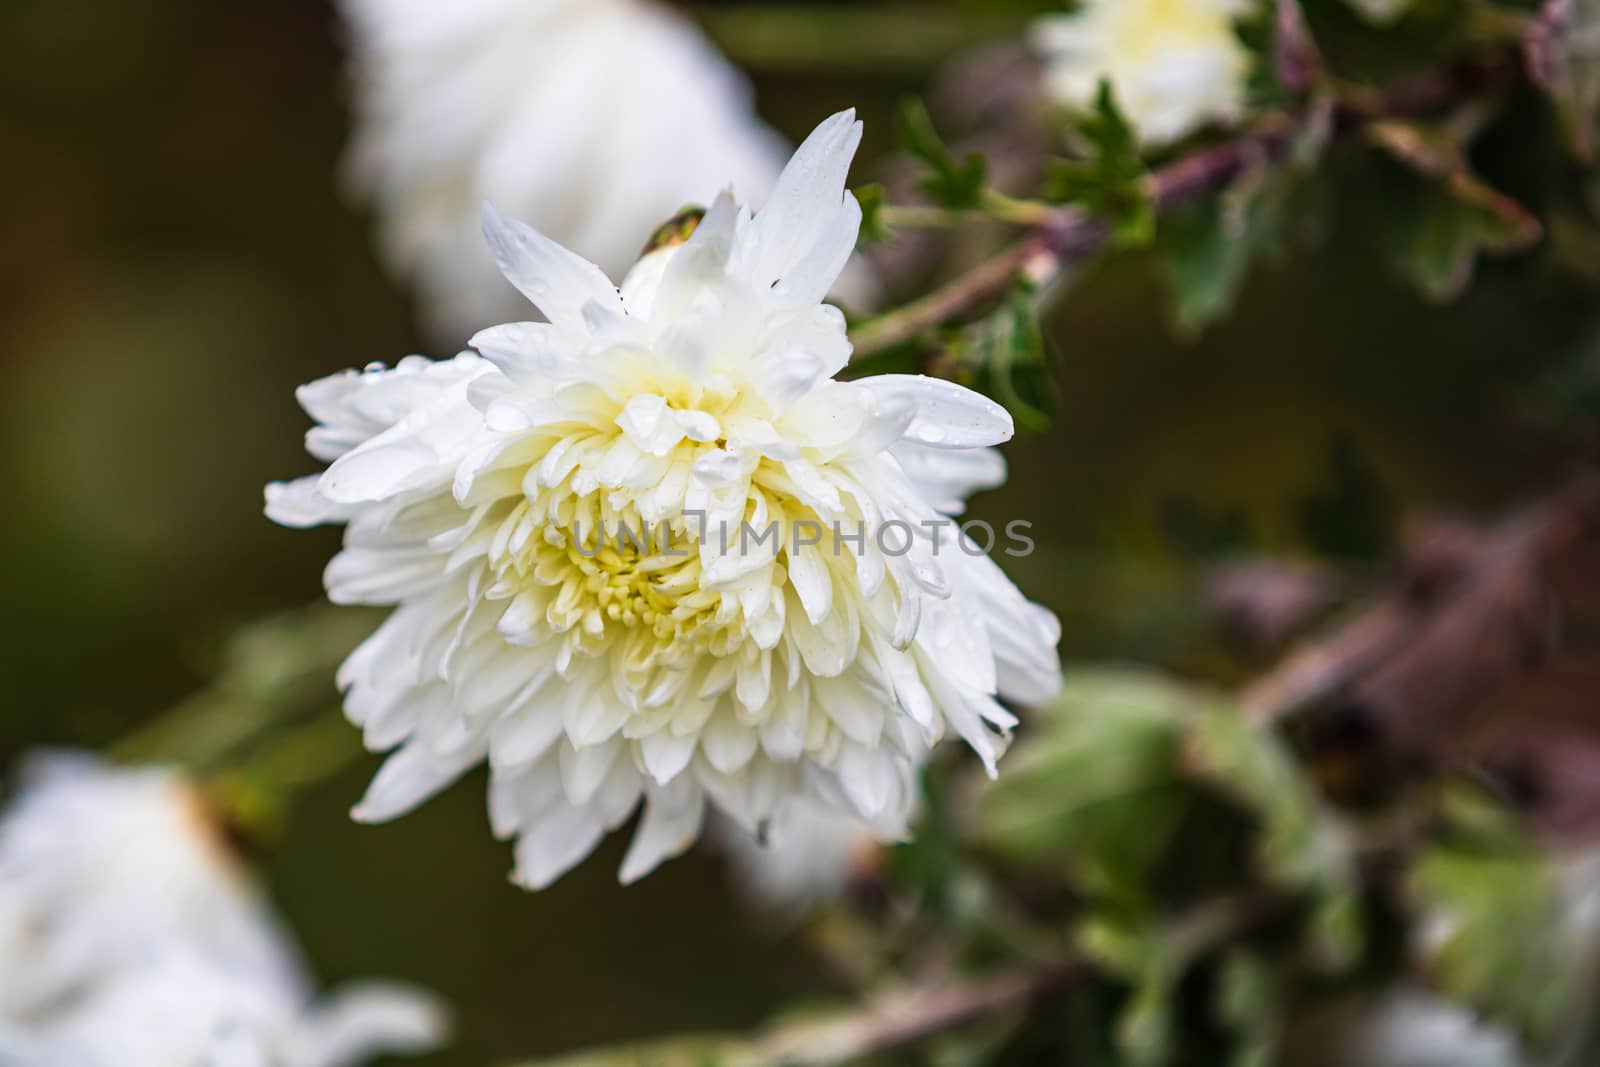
pixel 922 217
pixel 896 42
pixel 273 672
pixel 1065 235
pixel 902 1018
pixel 983 283
pixel 1467 605
pixel 306 755
pixel 994 205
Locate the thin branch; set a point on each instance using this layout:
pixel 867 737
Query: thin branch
pixel 1324 668
pixel 1468 616
pixel 1070 234
pixel 858 39
pixel 904 1018
pixel 978 286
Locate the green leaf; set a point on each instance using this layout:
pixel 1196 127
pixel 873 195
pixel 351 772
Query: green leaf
pixel 1139 953
pixel 1205 251
pixel 1299 847
pixel 1111 179
pixel 952 183
pixel 873 198
pixel 1254 767
pixel 1205 261
pixel 1093 785
pixel 1447 217
pixel 1565 63
pixel 1249 1003
pixel 1501 940
pixel 1005 355
pixel 1443 250
pixel 929 863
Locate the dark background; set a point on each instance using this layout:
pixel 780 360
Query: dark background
pixel 178 256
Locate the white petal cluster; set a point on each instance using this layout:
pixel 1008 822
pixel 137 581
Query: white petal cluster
pixel 1174 65
pixel 1410 1028
pixel 129 937
pixel 696 402
pixel 594 120
pixel 804 859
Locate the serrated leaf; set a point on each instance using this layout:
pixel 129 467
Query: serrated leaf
pixel 1006 356
pixel 952 183
pixel 1110 180
pixel 1094 783
pixel 1205 251
pixel 1504 929
pixel 1454 217
pixel 1498 941
pixel 1564 61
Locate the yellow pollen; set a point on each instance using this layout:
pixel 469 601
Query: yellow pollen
pixel 649 598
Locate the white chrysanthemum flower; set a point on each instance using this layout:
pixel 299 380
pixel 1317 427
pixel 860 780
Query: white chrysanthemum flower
pixel 719 660
pixel 183 1011
pixel 100 870
pixel 594 120
pixel 1174 65
pixel 129 936
pixel 1415 1029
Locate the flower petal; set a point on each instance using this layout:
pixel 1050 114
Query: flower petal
pixel 671 823
pixel 804 206
pixel 948 415
pixel 558 282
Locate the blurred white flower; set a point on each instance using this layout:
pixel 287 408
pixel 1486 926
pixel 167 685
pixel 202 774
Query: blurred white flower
pixel 101 870
pixel 1174 65
pixel 129 937
pixel 806 857
pixel 594 672
pixel 594 120
pixel 1410 1028
pixel 181 1010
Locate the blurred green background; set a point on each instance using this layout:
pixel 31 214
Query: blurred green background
pixel 178 257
